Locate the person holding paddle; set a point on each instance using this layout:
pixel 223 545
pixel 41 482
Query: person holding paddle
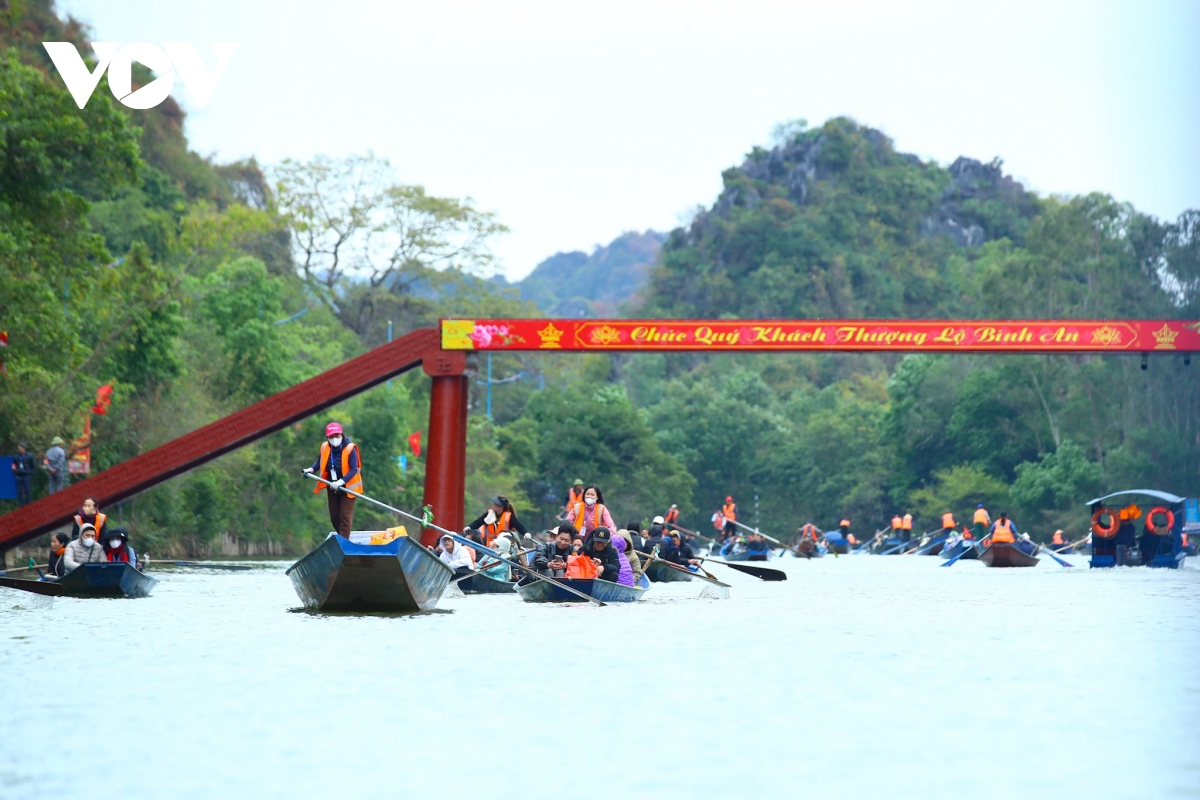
pixel 339 463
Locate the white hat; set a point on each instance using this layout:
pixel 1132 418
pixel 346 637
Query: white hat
pixel 658 521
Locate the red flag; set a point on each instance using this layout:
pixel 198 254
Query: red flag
pixel 414 441
pixel 103 400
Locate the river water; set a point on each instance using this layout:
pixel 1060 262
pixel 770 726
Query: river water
pixel 861 676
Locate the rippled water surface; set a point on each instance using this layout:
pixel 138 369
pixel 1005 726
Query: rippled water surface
pixel 861 676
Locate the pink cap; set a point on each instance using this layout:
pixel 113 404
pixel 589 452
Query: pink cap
pixel 333 428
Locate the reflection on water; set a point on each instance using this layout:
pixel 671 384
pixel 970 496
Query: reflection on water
pixel 859 676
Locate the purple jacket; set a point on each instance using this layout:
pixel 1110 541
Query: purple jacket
pixel 625 576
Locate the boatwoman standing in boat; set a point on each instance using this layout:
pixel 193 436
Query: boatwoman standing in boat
pixel 591 513
pixel 339 463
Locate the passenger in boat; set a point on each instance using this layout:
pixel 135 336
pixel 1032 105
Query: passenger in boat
pixel 574 495
pixel 980 522
pixel 591 513
pixel 499 518
pixel 906 527
pixel 116 546
pixel 1057 540
pixel 339 463
pixel 948 523
pixel 679 552
pixel 598 547
pixel 58 546
pixel 551 558
pixel 1026 544
pixel 83 550
pixel 577 544
pixel 90 514
pixel 498 570
pixel 634 529
pixel 457 557
pixel 631 551
pixel 621 544
pixel 1003 530
pixel 807 531
pixel 759 549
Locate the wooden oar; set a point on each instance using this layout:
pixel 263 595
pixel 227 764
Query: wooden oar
pixel 48 588
pixel 672 565
pixel 24 569
pixel 428 523
pixel 762 573
pixel 1050 553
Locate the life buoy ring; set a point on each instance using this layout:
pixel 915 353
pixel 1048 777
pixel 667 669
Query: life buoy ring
pixel 1114 522
pixel 1155 529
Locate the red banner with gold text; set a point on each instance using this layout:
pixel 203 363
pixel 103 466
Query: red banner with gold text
pixel 1001 336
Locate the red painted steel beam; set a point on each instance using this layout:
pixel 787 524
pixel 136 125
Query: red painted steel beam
pixel 422 346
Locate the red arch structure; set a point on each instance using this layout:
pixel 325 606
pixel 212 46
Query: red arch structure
pixel 442 352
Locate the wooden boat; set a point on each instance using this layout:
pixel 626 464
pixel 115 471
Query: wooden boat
pixel 659 572
pixel 485 584
pixel 535 591
pixel 740 553
pixel 103 579
pixel 962 544
pixel 837 543
pixel 1003 554
pixel 339 575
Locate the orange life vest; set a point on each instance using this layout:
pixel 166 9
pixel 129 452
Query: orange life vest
pixel 948 520
pixel 671 516
pixel 809 531
pixel 355 484
pixel 844 523
pixel 981 516
pixel 99 523
pixel 896 522
pixel 967 533
pixel 729 511
pixel 574 497
pixel 581 513
pixel 908 522
pixel 1003 531
pixel 491 530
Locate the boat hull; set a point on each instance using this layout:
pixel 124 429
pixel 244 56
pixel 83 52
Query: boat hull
pixel 1002 554
pixel 933 547
pixel 605 591
pixel 106 580
pixel 338 575
pixel 659 572
pixel 958 548
pixel 486 584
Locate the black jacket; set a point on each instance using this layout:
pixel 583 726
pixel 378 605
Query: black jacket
pixel 679 555
pixel 610 564
pixel 664 544
pixel 24 465
pixel 547 553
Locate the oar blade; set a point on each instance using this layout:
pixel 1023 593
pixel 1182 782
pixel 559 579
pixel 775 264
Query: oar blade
pixel 36 587
pixel 764 573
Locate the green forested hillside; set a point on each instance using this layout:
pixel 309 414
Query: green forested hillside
pixel 195 288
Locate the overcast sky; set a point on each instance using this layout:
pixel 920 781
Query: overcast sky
pixel 575 121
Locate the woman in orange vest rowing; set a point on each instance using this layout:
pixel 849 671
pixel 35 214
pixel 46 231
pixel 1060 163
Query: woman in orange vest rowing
pixel 499 518
pixel 90 514
pixel 672 517
pixel 339 463
pixel 591 513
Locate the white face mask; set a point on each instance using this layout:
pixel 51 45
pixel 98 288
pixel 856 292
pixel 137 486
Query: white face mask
pixel 591 501
pixel 491 516
pixel 88 541
pixel 114 544
pixel 336 441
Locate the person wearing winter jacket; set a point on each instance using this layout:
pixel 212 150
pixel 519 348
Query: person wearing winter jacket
pixel 598 546
pixel 84 550
pixel 625 556
pixel 551 558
